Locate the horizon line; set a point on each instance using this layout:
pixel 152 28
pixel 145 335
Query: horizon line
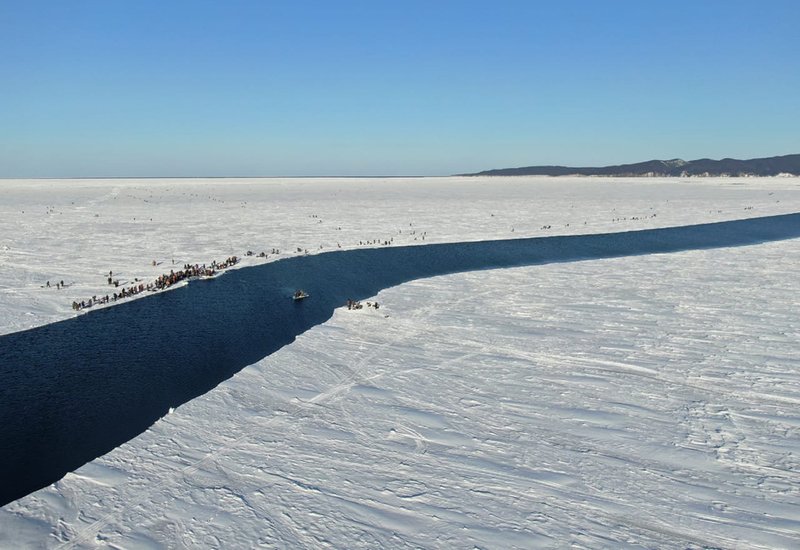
pixel 215 177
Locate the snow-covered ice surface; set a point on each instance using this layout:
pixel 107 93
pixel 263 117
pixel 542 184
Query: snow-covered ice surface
pixel 646 401
pixel 77 231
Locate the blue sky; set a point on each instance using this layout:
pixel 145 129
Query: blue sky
pixel 192 88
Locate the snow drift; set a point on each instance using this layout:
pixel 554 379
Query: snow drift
pixel 74 390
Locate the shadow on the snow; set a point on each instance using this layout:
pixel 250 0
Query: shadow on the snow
pixel 72 391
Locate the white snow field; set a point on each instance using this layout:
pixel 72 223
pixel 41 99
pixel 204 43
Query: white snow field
pixel 637 402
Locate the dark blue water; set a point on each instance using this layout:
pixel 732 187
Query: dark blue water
pixel 72 391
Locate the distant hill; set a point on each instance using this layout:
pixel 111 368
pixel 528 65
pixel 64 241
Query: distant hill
pixel 771 166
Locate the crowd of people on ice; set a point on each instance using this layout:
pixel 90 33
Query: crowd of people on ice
pixel 191 271
pixel 355 304
pixel 188 271
pixel 163 281
pixel 262 254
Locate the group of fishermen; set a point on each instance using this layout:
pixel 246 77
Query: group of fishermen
pixel 162 282
pixel 355 304
pixel 167 280
pixel 124 293
pixel 262 254
pixel 196 270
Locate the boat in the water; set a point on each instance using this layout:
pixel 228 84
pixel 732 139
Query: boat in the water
pixel 300 295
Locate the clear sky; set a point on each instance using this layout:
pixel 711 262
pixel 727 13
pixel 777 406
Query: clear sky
pixel 260 87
